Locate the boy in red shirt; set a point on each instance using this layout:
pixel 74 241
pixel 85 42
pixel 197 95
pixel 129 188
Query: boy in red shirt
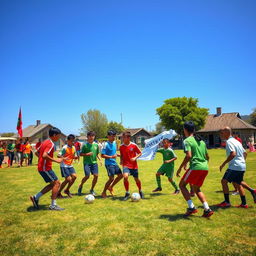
pixel 45 159
pixel 129 152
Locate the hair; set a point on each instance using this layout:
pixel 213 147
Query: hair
pixel 71 137
pixel 111 132
pixel 54 131
pixel 190 127
pixel 91 133
pixel 167 140
pixel 128 134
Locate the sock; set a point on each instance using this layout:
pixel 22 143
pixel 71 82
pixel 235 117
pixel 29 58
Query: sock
pixel 126 185
pixel 243 200
pixel 38 195
pixel 251 190
pixel 190 204
pixel 138 183
pixel 158 181
pixel 54 202
pixel 206 206
pixel 174 185
pixel 226 196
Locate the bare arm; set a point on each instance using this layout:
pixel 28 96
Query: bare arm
pixel 171 160
pixel 184 162
pixel 245 155
pixel 56 160
pixel 229 158
pixel 108 157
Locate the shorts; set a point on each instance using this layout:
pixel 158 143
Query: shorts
pixel 25 155
pixel 67 171
pixel 234 176
pixel 91 169
pixel 195 177
pixel 166 170
pixel 113 170
pixel 133 172
pixel 78 152
pixel 48 176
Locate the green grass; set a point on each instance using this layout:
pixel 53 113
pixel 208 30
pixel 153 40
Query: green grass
pixel 153 226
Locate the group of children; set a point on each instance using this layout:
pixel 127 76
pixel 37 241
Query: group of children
pixel 195 155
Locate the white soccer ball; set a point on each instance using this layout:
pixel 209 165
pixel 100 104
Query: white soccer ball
pixel 135 197
pixel 89 199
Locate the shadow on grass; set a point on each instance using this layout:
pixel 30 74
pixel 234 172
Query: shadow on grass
pixel 41 208
pixel 176 217
pixel 157 194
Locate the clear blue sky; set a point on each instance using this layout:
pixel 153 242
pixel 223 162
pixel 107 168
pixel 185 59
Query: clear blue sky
pixel 59 59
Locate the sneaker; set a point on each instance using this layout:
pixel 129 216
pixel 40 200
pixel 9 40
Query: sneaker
pixel 55 208
pixel 190 211
pixel 92 192
pixel 35 202
pixel 242 206
pixel 126 196
pixel 110 189
pixel 79 192
pixel 67 192
pixel 142 196
pixel 176 192
pixel 208 213
pixel 254 195
pixel 157 189
pixel 235 193
pixel 60 196
pixel 223 204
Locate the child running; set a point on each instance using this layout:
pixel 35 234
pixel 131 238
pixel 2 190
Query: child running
pixel 129 152
pixel 90 151
pixel 109 153
pixel 196 153
pixel 167 167
pixel 45 159
pixel 68 153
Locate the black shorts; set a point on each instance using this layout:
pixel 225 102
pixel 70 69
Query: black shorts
pixel 234 176
pixel 113 170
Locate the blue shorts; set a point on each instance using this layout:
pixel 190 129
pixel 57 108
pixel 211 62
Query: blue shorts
pixel 91 169
pixel 67 171
pixel 48 176
pixel 133 172
pixel 78 152
pixel 234 176
pixel 113 170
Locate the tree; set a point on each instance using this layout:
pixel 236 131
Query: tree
pixel 7 134
pixel 159 128
pixel 253 117
pixel 95 121
pixel 175 111
pixel 115 126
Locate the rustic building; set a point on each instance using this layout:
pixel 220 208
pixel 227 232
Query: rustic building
pixel 40 131
pixel 215 122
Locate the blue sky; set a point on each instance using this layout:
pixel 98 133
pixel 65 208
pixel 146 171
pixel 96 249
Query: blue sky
pixel 59 59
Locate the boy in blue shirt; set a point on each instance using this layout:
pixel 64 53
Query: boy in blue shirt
pixel 109 153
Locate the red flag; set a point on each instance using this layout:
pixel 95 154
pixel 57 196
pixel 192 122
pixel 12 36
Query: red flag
pixel 19 124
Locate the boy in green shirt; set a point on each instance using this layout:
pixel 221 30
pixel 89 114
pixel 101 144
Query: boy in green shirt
pixel 10 153
pixel 196 154
pixel 90 151
pixel 167 167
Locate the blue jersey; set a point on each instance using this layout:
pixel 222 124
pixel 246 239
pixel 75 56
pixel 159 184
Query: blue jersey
pixel 109 149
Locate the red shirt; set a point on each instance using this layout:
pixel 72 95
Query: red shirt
pixel 77 145
pixel 127 152
pixel 45 164
pixel 237 138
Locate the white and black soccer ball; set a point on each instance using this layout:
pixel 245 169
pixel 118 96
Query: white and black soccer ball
pixel 89 199
pixel 135 197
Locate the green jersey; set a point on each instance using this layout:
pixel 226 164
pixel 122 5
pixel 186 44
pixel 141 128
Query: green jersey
pixel 168 154
pixel 87 148
pixel 199 151
pixel 10 146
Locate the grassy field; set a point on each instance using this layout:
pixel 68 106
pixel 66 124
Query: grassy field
pixel 154 226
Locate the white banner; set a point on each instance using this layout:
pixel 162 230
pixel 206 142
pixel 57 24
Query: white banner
pixel 151 144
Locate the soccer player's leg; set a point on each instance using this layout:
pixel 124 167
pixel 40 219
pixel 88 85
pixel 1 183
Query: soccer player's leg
pixel 135 174
pixel 87 173
pixel 237 179
pixel 95 173
pixel 73 176
pixel 110 171
pixel 158 179
pixel 126 172
pixel 252 190
pixel 119 176
pixel 169 173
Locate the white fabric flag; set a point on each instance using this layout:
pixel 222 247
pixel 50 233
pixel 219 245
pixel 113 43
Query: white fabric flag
pixel 151 144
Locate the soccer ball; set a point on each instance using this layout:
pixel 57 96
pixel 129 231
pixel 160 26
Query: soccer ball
pixel 89 199
pixel 135 197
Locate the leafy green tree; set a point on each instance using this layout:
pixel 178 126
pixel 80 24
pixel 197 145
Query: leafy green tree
pixel 253 117
pixel 159 128
pixel 115 126
pixel 95 121
pixel 7 134
pixel 175 111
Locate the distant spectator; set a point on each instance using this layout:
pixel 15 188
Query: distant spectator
pixel 26 152
pixel 38 144
pixel 19 152
pixel 236 136
pixel 10 152
pixel 77 145
pixel 1 154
